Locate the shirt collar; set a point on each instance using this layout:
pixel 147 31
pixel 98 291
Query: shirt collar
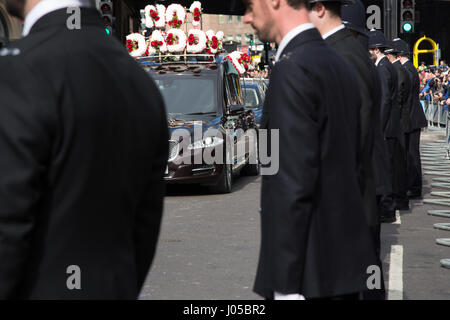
pixel 331 32
pixel 291 35
pixel 46 6
pixel 379 59
pixel 405 61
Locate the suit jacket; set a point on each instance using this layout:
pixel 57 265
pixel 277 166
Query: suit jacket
pixel 390 111
pixel 314 240
pixel 356 56
pixel 83 135
pixel 418 119
pixel 404 96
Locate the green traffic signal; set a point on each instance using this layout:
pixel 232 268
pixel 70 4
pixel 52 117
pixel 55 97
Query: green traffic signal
pixel 407 27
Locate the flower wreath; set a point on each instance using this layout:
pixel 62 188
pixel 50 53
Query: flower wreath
pixel 214 41
pixel 137 46
pixel 155 16
pixel 157 43
pixel 240 61
pixel 196 42
pixel 176 40
pixel 196 10
pixel 175 15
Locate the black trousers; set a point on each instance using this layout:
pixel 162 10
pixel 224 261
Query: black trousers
pixel 376 294
pixel 398 161
pixel 414 164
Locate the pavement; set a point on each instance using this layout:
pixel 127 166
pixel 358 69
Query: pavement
pixel 209 245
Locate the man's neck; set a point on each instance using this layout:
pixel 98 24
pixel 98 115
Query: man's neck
pixel 330 24
pixel 292 19
pixel 29 5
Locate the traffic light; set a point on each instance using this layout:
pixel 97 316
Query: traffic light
pixel 252 41
pixel 407 13
pixel 106 10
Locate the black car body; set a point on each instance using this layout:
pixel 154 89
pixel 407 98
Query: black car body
pixel 204 95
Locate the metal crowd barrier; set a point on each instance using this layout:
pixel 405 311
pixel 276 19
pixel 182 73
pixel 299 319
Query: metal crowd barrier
pixel 435 113
pixel 436 162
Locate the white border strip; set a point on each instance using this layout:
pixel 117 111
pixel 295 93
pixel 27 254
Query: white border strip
pixel 396 273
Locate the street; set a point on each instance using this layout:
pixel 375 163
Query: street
pixel 209 245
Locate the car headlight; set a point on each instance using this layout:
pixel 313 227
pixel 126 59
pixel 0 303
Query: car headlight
pixel 205 143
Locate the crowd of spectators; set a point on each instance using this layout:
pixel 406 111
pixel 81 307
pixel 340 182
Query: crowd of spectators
pixel 434 83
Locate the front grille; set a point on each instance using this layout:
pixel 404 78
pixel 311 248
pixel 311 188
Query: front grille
pixel 174 148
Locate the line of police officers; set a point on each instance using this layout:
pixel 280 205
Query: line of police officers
pixel 391 116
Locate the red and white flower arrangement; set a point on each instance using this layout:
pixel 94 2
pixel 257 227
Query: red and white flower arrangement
pixel 155 16
pixel 136 44
pixel 240 61
pixel 157 43
pixel 175 15
pixel 176 40
pixel 215 41
pixel 196 42
pixel 196 10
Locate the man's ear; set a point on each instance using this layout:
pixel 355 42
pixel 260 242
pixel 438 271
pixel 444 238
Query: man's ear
pixel 319 9
pixel 275 4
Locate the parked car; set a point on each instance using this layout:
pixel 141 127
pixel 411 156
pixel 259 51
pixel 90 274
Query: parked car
pixel 254 95
pixel 207 95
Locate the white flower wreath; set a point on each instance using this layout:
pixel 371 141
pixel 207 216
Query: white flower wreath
pixel 157 36
pixel 180 37
pixel 234 58
pixel 142 44
pixel 201 45
pixel 196 5
pixel 178 10
pixel 161 10
pixel 219 36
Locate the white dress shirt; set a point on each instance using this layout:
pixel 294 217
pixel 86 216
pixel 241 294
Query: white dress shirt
pixel 379 59
pixel 405 61
pixel 331 32
pixel 46 6
pixel 291 35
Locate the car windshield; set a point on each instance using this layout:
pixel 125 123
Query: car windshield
pixel 188 94
pixel 251 98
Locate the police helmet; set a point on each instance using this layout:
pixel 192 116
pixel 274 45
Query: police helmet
pixel 354 17
pixel 377 39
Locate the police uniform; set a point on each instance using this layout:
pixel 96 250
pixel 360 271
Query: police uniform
pixel 418 121
pixel 83 140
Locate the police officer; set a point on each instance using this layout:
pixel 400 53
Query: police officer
pixel 84 146
pixel 403 101
pixel 418 121
pixel 390 116
pixel 326 16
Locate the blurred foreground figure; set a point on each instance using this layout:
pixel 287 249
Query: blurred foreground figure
pixel 315 242
pixel 83 142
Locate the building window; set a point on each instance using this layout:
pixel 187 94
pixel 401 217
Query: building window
pixel 221 19
pixel 239 38
pixel 230 19
pixel 230 38
pixel 239 18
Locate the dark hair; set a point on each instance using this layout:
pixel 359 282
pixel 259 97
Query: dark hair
pixel 297 4
pixel 333 7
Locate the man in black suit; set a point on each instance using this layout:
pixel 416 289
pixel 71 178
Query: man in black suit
pixel 390 118
pixel 418 121
pixel 354 19
pixel 83 138
pixel 403 101
pixel 326 16
pixel 315 241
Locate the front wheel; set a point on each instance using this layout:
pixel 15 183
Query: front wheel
pixel 225 183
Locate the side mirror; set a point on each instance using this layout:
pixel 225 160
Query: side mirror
pixel 236 108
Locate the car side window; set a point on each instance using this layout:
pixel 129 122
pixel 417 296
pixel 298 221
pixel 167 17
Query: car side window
pixel 233 89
